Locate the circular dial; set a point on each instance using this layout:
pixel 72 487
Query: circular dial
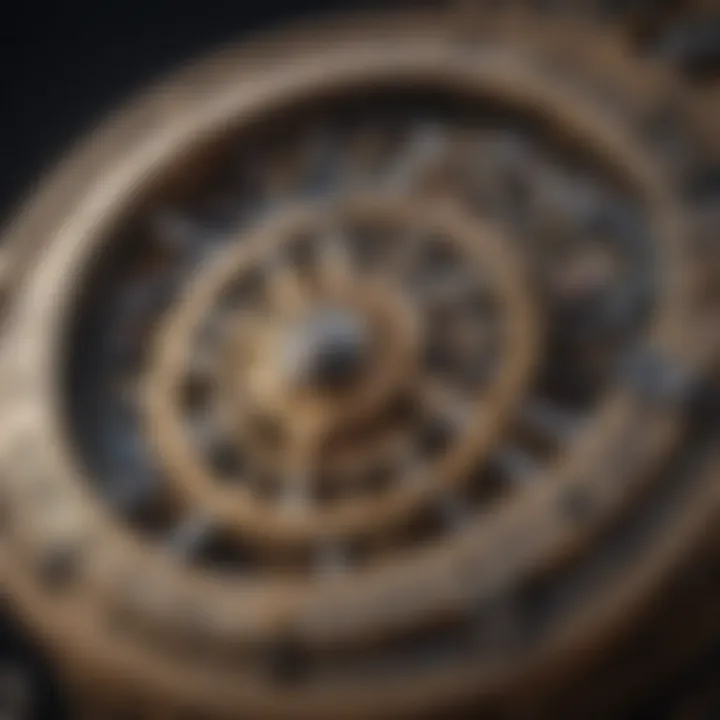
pixel 368 381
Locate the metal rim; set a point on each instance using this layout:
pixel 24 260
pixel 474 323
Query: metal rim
pixel 529 525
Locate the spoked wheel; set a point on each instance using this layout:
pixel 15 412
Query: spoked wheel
pixel 371 383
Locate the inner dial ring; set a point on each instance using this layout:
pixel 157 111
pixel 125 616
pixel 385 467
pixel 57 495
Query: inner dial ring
pixel 313 272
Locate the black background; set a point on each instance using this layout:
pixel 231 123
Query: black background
pixel 63 65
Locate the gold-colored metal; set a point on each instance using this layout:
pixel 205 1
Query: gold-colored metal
pixel 363 384
pixel 310 421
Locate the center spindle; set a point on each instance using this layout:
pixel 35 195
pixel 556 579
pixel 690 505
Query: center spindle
pixel 328 350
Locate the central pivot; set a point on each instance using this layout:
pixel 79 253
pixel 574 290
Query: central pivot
pixel 328 350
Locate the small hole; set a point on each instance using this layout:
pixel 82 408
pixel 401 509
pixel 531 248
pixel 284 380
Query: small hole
pixel 196 393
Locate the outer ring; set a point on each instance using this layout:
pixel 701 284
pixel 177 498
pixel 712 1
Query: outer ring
pixel 31 369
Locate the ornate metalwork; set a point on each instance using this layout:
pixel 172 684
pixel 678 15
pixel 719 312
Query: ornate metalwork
pixel 375 383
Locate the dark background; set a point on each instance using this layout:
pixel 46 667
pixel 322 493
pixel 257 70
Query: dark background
pixel 63 65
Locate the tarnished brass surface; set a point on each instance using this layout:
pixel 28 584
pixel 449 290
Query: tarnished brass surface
pixel 370 370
